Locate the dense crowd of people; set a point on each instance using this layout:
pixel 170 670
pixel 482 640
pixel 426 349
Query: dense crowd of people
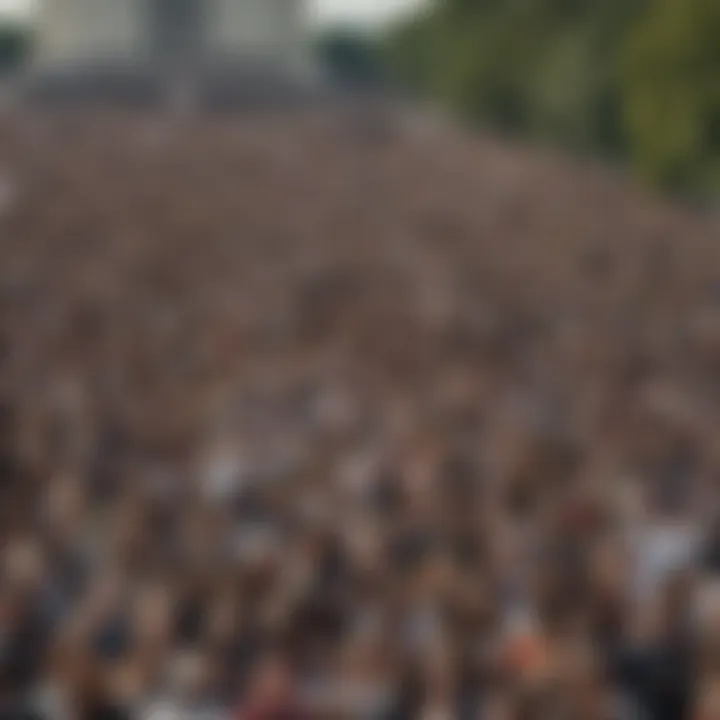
pixel 350 417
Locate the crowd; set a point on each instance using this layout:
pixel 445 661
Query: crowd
pixel 350 417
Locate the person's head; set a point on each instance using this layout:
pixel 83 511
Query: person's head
pixel 676 603
pixel 440 677
pixel 23 569
pixel 581 682
pixel 708 701
pixel 188 675
pixel 273 682
pixel 707 623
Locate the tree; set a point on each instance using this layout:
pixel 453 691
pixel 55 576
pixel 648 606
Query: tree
pixel 350 56
pixel 545 68
pixel 15 46
pixel 672 93
pixel 636 79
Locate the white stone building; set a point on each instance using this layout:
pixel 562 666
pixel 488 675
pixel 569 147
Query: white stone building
pixel 172 33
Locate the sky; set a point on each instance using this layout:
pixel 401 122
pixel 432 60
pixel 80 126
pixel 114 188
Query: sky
pixel 361 11
pixel 365 11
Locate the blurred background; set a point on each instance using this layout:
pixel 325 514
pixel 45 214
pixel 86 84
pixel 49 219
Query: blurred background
pixel 634 82
pixel 359 360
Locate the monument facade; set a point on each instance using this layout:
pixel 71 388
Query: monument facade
pixel 188 32
pixel 220 46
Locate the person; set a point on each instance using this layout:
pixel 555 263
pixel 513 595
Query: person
pixel 657 672
pixel 272 692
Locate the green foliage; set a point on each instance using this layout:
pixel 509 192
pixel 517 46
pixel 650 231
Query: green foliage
pixel 350 56
pixel 409 54
pixel 630 78
pixel 543 68
pixel 15 46
pixel 672 92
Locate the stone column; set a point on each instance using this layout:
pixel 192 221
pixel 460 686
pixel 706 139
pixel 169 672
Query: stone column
pixel 80 32
pixel 256 28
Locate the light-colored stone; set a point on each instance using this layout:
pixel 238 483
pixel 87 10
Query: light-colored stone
pixel 151 32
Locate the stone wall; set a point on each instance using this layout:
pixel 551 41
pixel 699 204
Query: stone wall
pixel 73 32
pixel 79 32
